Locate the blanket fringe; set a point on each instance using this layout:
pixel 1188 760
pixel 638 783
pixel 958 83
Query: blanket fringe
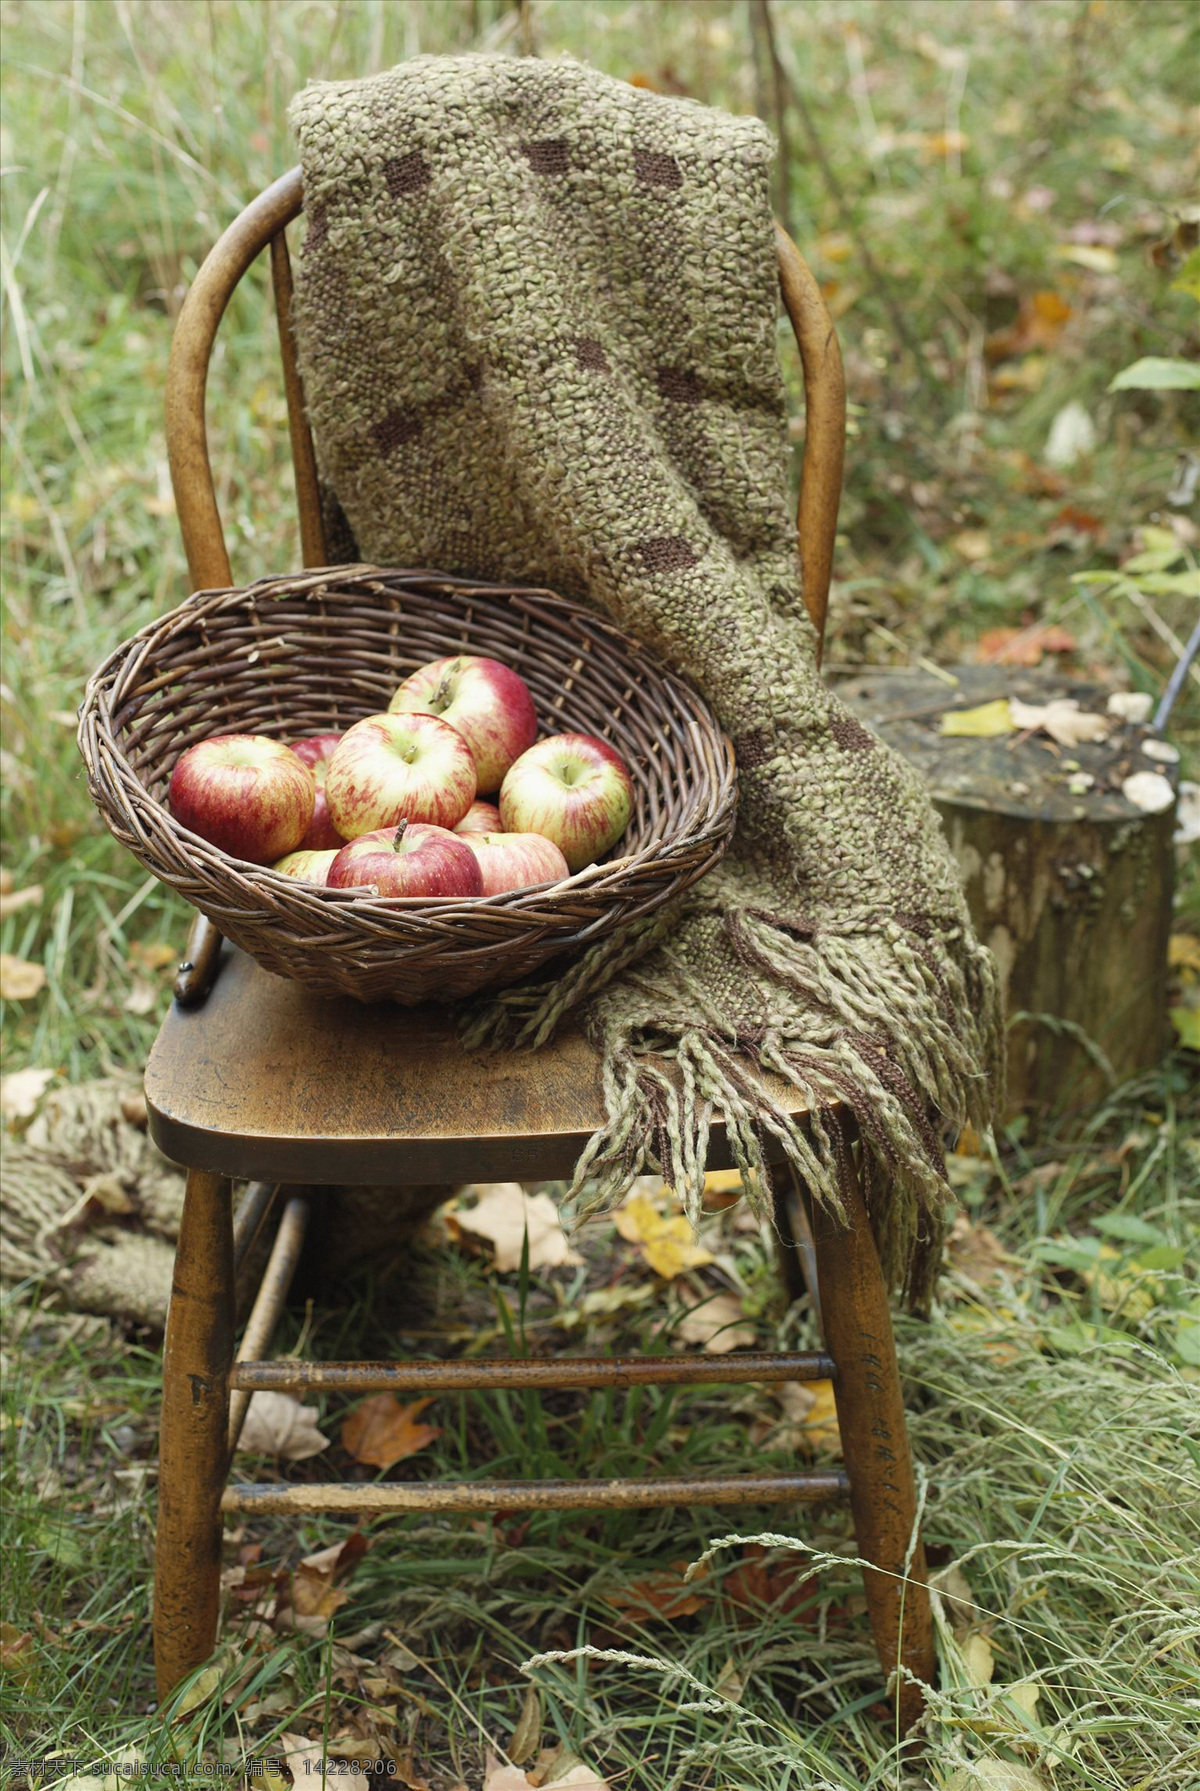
pixel 894 1027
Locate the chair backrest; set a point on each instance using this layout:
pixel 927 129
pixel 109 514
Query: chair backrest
pixel 263 224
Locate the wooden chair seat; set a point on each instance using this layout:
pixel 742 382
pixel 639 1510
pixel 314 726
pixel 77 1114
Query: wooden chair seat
pixel 268 1081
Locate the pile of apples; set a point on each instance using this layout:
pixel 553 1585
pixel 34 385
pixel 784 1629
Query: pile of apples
pixel 395 805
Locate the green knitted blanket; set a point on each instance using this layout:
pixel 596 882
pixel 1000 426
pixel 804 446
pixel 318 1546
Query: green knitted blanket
pixel 537 318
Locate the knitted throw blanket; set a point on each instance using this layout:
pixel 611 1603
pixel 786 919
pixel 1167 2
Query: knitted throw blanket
pixel 537 314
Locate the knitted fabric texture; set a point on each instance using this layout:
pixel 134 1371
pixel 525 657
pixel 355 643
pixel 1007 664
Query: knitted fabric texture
pixel 537 317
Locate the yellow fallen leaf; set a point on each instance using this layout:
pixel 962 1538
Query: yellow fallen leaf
pixel 665 1240
pixel 811 1413
pixel 1183 952
pixel 972 545
pixel 978 1660
pixel 1095 256
pixel 199 1691
pixel 1025 1696
pixel 1125 1291
pixel 983 723
pixel 19 979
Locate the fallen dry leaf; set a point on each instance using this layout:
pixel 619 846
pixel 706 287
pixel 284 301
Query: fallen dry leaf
pixel 277 1424
pixel 1022 646
pixel 995 1775
pixel 664 1595
pixel 499 1776
pixel 13 900
pixel 978 1659
pixel 307 1763
pixel 954 1588
pixel 982 723
pixel 665 1240
pixel 1040 321
pixel 757 1581
pixel 810 1410
pixel 972 545
pixel 977 1252
pixel 503 1216
pixel 717 1325
pixel 314 1591
pixel 1062 719
pixel 382 1431
pixel 526 1737
pixel 1183 953
pixel 153 955
pixel 722 1188
pixel 21 1092
pixel 18 1653
pixel 19 979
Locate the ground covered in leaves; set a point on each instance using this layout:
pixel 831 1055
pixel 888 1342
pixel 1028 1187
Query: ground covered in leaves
pixel 995 198
pixel 1054 1420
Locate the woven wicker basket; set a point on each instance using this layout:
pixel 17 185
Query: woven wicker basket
pixel 315 652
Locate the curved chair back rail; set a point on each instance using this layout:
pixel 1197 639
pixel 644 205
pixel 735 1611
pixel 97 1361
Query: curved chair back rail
pixel 264 224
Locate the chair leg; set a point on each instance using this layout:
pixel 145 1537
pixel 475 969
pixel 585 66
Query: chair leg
pixel 858 1331
pixel 193 1454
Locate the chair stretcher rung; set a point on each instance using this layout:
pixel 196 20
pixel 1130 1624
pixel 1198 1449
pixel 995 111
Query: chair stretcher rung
pixel 560 1372
pixel 537 1495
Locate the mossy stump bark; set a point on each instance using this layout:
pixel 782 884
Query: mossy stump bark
pixel 1070 887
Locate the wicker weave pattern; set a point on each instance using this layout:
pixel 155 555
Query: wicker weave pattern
pixel 315 652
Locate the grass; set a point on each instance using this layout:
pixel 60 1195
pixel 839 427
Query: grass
pixel 1053 1417
pixel 984 154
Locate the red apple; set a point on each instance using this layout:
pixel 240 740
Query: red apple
pixel 392 768
pixel 305 865
pixel 481 817
pixel 515 860
pixel 316 752
pixel 408 860
pixel 488 704
pixel 573 789
pixel 248 795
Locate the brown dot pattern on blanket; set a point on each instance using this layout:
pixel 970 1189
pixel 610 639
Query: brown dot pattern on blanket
pixel 537 318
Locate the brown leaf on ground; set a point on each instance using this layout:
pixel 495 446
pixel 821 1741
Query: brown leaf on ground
pixel 503 1215
pixel 154 954
pixel 382 1431
pixel 976 1252
pixel 784 1585
pixel 1022 646
pixel 661 1596
pixel 664 1239
pixel 717 1325
pixel 18 1653
pixel 19 979
pixel 277 1424
pixel 526 1737
pixel 1040 322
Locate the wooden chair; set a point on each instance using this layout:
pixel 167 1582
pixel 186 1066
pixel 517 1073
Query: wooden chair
pixel 253 1078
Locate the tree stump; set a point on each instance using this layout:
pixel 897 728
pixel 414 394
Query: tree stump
pixel 1071 889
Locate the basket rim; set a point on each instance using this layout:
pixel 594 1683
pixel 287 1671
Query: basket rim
pixel 592 881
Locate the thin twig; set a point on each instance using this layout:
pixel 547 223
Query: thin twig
pixel 763 30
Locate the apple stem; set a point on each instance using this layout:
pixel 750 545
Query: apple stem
pixel 400 831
